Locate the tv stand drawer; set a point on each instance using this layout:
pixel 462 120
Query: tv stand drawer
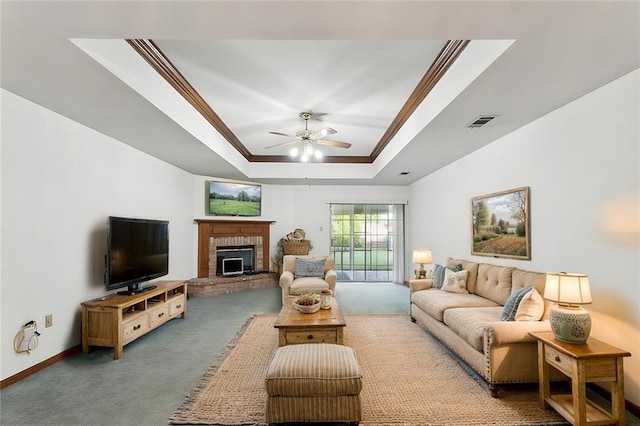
pixel 177 305
pixel 136 328
pixel 159 315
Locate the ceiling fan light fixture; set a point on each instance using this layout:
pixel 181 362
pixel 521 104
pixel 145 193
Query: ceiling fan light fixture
pixel 308 140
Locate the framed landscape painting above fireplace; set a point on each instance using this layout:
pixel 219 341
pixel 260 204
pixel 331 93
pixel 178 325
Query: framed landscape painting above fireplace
pixel 500 224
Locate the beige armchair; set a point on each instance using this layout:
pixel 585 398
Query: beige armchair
pixel 311 275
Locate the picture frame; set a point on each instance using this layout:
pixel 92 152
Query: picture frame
pixel 500 224
pixel 231 198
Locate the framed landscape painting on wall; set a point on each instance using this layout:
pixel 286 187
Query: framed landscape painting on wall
pixel 500 224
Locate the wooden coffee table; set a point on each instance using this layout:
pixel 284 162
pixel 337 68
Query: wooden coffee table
pixel 324 326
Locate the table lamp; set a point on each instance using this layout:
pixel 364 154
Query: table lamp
pixel 569 321
pixel 421 256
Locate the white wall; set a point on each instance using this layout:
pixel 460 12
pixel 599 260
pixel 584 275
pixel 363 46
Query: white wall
pixel 576 161
pixel 303 206
pixel 60 182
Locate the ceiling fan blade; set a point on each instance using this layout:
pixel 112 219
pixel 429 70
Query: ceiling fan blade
pixel 336 144
pixel 322 133
pixel 282 134
pixel 281 144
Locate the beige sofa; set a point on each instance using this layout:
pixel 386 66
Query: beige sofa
pixel 471 326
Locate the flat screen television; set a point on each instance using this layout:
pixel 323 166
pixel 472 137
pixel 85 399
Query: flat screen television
pixel 233 198
pixel 137 251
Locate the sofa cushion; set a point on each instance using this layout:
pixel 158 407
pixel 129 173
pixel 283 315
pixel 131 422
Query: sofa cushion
pixel 455 282
pixel 435 302
pixel 494 282
pixel 469 323
pixel 438 273
pixel 511 306
pixel 309 268
pixel 531 307
pixel 537 280
pixel 472 267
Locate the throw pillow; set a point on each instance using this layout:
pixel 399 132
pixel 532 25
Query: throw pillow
pixel 531 307
pixel 511 305
pixel 438 274
pixel 455 282
pixel 309 268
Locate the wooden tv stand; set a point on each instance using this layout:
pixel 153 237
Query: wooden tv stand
pixel 115 320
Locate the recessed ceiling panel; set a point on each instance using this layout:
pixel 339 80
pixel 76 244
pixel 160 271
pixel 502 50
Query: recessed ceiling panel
pixel 258 86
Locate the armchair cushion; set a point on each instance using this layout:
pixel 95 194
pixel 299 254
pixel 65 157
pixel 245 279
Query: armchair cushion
pixel 307 284
pixel 309 268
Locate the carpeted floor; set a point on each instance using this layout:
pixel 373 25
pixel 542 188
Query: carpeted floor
pixel 408 379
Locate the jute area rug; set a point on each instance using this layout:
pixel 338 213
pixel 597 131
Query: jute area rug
pixel 408 379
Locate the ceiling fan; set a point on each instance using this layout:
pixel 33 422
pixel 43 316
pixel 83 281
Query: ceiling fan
pixel 308 138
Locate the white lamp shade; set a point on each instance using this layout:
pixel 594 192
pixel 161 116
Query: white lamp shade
pixel 572 289
pixel 422 256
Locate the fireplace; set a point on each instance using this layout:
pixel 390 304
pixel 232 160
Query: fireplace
pixel 216 234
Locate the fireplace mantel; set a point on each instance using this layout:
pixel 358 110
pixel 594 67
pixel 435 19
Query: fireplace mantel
pixel 214 228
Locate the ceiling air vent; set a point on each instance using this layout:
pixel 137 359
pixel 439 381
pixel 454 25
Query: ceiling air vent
pixel 481 121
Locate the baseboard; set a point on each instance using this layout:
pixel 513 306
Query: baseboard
pixel 38 367
pixel 605 393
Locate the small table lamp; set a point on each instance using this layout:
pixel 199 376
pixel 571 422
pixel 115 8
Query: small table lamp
pixel 569 321
pixel 421 256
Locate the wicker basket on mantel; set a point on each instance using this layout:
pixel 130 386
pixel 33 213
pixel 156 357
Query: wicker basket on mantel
pixel 296 246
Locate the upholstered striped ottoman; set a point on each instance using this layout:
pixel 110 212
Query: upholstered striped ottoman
pixel 313 382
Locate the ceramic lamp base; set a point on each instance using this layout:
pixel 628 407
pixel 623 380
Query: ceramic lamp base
pixel 421 273
pixel 569 324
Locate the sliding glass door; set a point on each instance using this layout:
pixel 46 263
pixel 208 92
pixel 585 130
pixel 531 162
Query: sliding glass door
pixel 367 241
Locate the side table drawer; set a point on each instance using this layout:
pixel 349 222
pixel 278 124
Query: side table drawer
pixel 311 336
pixel 559 360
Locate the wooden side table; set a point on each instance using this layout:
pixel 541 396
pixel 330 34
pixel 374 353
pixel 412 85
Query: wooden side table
pixel 594 361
